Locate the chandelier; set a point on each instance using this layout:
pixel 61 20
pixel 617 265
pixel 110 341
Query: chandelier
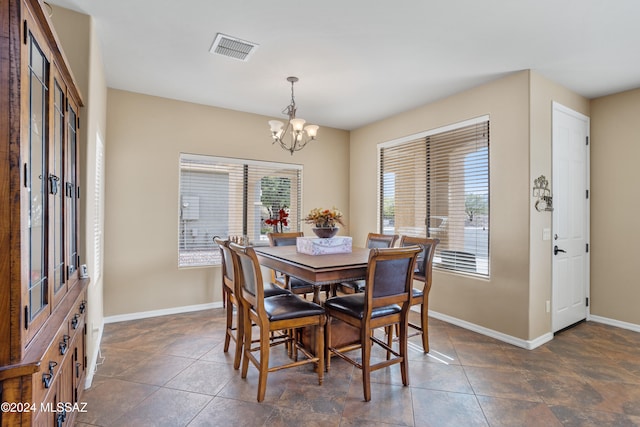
pixel 300 134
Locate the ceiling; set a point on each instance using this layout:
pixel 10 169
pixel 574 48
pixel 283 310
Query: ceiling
pixel 360 60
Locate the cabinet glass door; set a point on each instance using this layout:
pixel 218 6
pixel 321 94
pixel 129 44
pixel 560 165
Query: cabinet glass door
pixel 57 190
pixel 36 178
pixel 72 190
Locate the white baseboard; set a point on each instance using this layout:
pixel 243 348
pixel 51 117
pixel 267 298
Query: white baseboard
pixel 161 312
pixel 613 322
pixel 91 369
pixel 518 342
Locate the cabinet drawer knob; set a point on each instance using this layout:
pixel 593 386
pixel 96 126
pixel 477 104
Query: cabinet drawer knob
pixel 64 344
pixel 61 417
pixel 46 380
pixel 74 321
pixel 83 306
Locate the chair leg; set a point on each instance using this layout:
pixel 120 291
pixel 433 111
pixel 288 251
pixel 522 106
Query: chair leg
pixel 366 363
pixel 424 317
pixel 228 329
pixel 239 338
pixel 389 331
pixel 320 337
pixel 264 362
pixel 327 345
pixel 403 350
pixel 224 296
pixel 247 340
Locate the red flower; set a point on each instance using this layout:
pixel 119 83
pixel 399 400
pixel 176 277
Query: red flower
pixel 282 219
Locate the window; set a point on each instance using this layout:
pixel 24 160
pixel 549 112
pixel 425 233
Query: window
pixel 232 197
pixel 436 184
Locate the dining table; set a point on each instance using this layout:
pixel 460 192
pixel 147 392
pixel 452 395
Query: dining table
pixel 319 270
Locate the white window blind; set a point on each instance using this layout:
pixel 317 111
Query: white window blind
pixel 232 197
pixel 98 224
pixel 436 184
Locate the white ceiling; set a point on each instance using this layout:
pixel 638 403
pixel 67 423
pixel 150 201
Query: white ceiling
pixel 361 60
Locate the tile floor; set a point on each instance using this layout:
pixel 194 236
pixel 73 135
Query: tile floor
pixel 171 371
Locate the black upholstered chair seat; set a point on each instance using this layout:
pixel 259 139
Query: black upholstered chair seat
pixel 359 285
pixel 356 285
pixel 271 290
pixel 297 286
pixel 289 306
pixel 353 305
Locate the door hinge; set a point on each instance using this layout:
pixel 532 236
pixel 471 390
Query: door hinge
pixel 587 247
pixel 26 317
pixel 587 301
pixel 24 31
pixel 78 192
pixel 587 138
pixel 587 193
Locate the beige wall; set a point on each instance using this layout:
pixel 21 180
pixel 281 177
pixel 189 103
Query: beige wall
pixel 615 150
pixel 543 93
pixel 146 135
pixel 500 303
pixel 81 46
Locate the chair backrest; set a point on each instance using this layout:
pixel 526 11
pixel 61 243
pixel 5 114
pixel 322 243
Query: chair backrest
pixel 375 240
pixel 227 262
pixel 424 262
pixel 390 277
pixel 283 239
pixel 249 277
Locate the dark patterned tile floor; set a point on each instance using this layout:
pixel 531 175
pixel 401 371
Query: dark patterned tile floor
pixel 172 371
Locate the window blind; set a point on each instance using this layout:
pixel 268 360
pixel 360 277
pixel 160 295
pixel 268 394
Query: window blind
pixel 436 184
pixel 98 204
pixel 232 197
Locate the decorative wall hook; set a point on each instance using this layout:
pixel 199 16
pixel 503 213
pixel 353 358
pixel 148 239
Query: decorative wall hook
pixel 542 192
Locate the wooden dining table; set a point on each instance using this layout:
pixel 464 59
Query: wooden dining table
pixel 316 269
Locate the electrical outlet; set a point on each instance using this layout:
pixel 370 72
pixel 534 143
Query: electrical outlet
pixel 546 234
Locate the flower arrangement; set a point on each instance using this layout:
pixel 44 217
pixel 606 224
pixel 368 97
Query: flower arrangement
pixel 278 222
pixel 324 218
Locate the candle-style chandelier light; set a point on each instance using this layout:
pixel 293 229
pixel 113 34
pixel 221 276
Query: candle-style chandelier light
pixel 295 135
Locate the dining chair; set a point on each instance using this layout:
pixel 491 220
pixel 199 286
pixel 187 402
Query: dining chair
pixel 384 302
pixel 374 240
pixel 231 301
pixel 295 285
pixel 423 273
pixel 286 312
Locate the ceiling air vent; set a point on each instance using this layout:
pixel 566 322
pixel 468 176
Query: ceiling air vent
pixel 233 47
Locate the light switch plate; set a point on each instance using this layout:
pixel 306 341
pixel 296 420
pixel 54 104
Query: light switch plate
pixel 546 234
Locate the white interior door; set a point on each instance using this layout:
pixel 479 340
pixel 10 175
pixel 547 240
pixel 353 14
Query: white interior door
pixel 570 185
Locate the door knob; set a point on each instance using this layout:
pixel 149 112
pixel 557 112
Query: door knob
pixel 556 250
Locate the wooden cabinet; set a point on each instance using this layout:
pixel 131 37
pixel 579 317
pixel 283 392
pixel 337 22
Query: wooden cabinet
pixel 43 301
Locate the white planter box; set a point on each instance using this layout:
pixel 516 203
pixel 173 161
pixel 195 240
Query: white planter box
pixel 316 246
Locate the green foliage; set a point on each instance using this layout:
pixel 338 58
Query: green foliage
pixel 475 204
pixel 276 191
pixel 389 207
